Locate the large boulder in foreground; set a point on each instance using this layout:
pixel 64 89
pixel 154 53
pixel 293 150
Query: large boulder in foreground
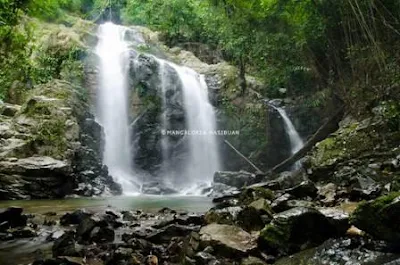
pixel 296 229
pixel 380 218
pixel 227 240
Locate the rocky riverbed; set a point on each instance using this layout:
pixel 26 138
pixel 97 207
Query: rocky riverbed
pixel 285 221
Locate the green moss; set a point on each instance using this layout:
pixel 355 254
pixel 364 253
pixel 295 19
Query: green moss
pixel 49 138
pixel 252 194
pixel 274 236
pixel 348 142
pixel 375 218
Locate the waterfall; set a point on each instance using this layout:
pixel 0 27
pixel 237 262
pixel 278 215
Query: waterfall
pixel 296 143
pixel 203 156
pixel 113 104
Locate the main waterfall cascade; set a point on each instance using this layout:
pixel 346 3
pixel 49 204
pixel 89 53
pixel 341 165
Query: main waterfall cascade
pixel 203 160
pixel 296 143
pixel 200 153
pixel 113 105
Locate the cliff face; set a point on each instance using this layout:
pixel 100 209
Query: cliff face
pixel 50 143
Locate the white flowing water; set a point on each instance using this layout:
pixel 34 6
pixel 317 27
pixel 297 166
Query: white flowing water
pixel 203 159
pixel 296 143
pixel 113 105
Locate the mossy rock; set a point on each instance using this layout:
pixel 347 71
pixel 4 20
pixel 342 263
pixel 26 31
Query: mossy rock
pixel 379 218
pixel 222 216
pixel 252 194
pixel 295 229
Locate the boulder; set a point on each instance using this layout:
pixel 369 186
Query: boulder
pixel 173 230
pixel 295 229
pixel 65 246
pixel 235 179
pixel 303 190
pixel 379 218
pixel 226 215
pixel 75 217
pixel 12 217
pixel 227 240
pixel 102 235
pixel 327 194
pixel 255 216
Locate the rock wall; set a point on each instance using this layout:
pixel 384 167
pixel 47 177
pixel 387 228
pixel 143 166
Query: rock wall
pixel 49 147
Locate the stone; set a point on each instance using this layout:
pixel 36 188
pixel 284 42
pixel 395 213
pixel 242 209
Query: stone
pixel 379 218
pixel 295 229
pixel 227 239
pixel 344 251
pixel 364 188
pixel 235 179
pixel 252 261
pixel 173 230
pixel 226 215
pixel 25 232
pixel 327 194
pixel 203 258
pixel 12 217
pixel 338 218
pixel 65 245
pixel 75 217
pixel 255 216
pixel 102 235
pixel 303 190
pixel 85 227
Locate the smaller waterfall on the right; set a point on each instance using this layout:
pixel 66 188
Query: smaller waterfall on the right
pixel 296 143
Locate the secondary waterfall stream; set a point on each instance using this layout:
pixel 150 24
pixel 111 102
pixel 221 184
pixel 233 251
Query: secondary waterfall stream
pixel 113 104
pixel 296 143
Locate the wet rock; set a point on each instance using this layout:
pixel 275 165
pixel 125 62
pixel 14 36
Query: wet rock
pixel 102 235
pixel 338 219
pixel 129 216
pixel 75 217
pixel 190 219
pixel 280 203
pixel 344 251
pixel 25 232
pixel 203 258
pixel 85 227
pixel 235 179
pixel 252 261
pixel 65 245
pixel 219 190
pixel 227 239
pixel 303 190
pixel 295 229
pixel 222 216
pixel 327 194
pixel 252 194
pixel 165 234
pixel 255 216
pixel 379 218
pixel 364 188
pixel 12 217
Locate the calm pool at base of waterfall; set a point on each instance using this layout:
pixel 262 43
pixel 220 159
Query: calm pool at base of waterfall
pixel 23 251
pixel 146 203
